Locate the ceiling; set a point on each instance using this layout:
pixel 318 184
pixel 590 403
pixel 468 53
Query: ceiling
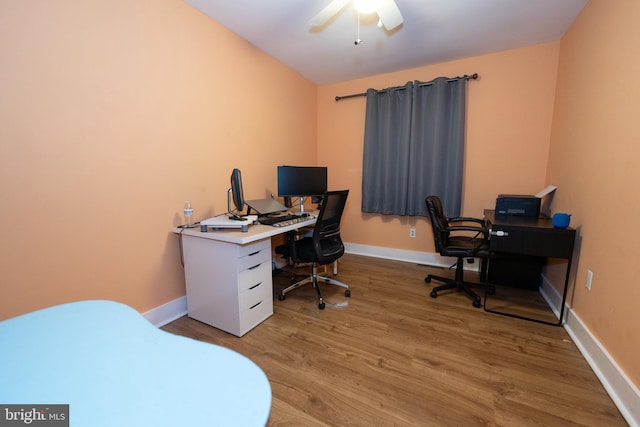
pixel 433 31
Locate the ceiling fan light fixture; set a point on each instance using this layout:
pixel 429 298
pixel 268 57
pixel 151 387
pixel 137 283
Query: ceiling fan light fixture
pixel 367 6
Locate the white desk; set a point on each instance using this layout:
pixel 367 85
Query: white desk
pixel 228 275
pixel 114 368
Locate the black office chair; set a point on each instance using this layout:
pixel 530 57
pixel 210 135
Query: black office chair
pixel 323 247
pixel 459 237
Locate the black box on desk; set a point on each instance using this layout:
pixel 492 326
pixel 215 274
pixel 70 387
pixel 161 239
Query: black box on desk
pixel 512 204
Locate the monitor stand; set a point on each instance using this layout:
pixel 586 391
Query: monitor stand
pixel 301 205
pixel 232 215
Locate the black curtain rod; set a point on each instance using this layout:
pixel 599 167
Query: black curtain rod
pixel 355 95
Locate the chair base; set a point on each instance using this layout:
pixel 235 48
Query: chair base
pixel 314 278
pixel 459 284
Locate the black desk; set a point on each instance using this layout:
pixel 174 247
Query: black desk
pixel 533 237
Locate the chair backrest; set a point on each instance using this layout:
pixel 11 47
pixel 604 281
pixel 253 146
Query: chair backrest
pixel 326 234
pixel 439 222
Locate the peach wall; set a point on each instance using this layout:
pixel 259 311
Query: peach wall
pixel 508 125
pixel 594 159
pixel 114 113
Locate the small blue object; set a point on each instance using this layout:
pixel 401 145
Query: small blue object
pixel 561 220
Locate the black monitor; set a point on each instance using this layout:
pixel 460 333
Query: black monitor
pixel 235 193
pixel 302 181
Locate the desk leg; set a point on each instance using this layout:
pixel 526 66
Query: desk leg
pixel 484 263
pixel 564 292
pixel 564 299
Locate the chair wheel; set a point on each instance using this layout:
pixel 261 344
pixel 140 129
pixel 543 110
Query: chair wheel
pixel 347 293
pixel 428 280
pixel 281 297
pixel 321 306
pixel 476 303
pixel 433 294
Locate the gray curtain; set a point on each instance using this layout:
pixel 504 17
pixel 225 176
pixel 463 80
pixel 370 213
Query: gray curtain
pixel 414 147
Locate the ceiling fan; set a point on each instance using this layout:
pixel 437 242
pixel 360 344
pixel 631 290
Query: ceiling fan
pixel 387 10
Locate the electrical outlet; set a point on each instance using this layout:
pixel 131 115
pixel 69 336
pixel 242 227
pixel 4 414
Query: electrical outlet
pixel 589 279
pixel 412 232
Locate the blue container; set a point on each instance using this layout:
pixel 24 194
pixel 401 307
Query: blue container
pixel 561 220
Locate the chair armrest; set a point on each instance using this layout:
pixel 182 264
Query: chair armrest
pixel 480 230
pixel 480 221
pixel 481 237
pixel 469 219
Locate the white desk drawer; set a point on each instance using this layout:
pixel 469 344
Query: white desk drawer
pixel 253 247
pixel 254 286
pixel 252 277
pixel 256 314
pixel 254 258
pixel 250 299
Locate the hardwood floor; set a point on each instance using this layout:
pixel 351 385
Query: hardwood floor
pixel 392 356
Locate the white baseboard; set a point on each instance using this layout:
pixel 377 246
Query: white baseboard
pixel 168 312
pixel 417 257
pixel 622 391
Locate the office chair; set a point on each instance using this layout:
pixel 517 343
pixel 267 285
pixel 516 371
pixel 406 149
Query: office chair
pixel 323 247
pixel 460 237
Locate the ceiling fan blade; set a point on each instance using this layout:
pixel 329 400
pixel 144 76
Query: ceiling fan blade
pixel 328 12
pixel 390 14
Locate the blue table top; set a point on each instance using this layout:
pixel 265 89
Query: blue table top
pixel 114 368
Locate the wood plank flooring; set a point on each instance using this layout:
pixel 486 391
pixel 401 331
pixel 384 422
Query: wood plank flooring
pixel 392 356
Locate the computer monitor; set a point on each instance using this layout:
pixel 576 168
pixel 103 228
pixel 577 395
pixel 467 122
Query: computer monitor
pixel 236 193
pixel 302 181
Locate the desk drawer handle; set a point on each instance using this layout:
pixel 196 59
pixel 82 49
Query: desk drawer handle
pixel 499 233
pixel 254 267
pixel 255 253
pixel 255 305
pixel 255 286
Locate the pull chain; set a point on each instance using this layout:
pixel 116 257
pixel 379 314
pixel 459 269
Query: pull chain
pixel 358 41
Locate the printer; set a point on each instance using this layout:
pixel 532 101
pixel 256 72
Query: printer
pixel 514 204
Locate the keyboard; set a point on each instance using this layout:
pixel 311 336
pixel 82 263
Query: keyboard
pixel 284 220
